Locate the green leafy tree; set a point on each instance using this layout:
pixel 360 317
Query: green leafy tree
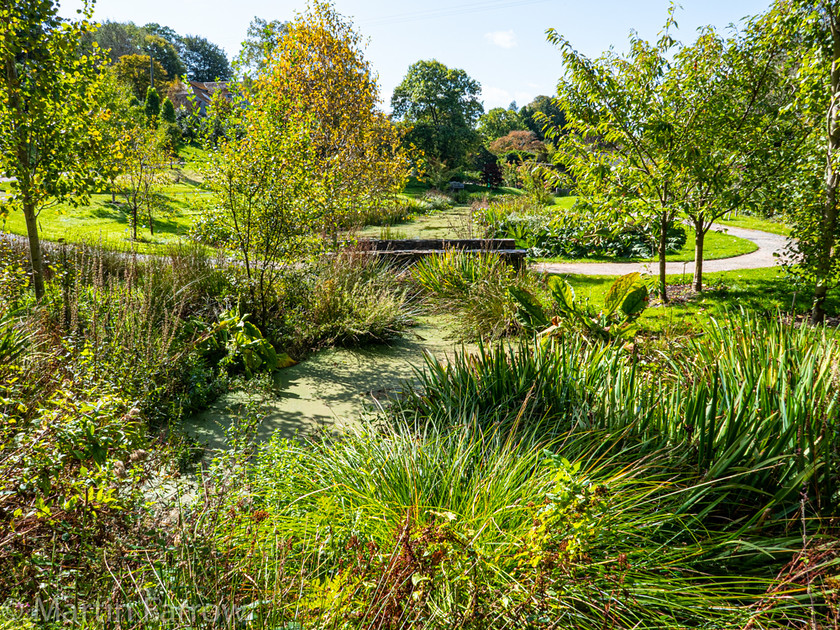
pixel 263 193
pixel 262 39
pixel 742 137
pixel 119 111
pixel 135 72
pixel 811 31
pixel 541 113
pixel 48 97
pixel 164 32
pixel 145 157
pixel 151 106
pixel 204 60
pixel 118 39
pixel 440 109
pixel 167 111
pixel 668 130
pixel 164 53
pixel 499 122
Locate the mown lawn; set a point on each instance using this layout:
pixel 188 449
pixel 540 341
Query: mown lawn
pixel 757 223
pixel 107 222
pixel 766 291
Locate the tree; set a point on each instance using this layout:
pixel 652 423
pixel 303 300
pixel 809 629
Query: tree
pixel 741 137
pixel 264 191
pixel 167 111
pixel 166 54
pixel 143 172
pixel 48 97
pixel 204 60
pixel 319 69
pixel 114 117
pixel 499 122
pixel 118 39
pixel 667 130
pixel 523 144
pixel 488 165
pixel 811 31
pixel 151 106
pixel 261 40
pixel 540 113
pixel 135 71
pixel 440 108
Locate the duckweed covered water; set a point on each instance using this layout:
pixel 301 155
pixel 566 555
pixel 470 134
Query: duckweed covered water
pixel 333 389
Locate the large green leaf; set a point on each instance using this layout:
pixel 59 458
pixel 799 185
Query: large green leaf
pixel 628 294
pixel 530 312
pixel 563 293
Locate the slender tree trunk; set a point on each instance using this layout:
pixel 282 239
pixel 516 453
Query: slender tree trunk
pixel 24 177
pixel 663 251
pixel 35 256
pixel 134 223
pixel 699 238
pixel 151 223
pixel 826 250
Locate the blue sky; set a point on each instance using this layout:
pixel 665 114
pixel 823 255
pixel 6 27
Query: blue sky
pixel 500 43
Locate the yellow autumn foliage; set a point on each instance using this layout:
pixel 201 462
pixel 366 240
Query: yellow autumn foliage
pixel 318 70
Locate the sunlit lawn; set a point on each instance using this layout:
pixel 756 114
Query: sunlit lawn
pixel 765 291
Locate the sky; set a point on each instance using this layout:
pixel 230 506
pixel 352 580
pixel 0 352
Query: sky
pixel 500 43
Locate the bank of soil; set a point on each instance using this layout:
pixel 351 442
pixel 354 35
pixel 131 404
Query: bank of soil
pixel 334 388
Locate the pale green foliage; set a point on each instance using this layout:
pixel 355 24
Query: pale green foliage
pixel 144 164
pixel 48 97
pixel 669 129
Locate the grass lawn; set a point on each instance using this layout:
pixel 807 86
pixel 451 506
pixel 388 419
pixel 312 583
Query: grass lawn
pixel 757 223
pixel 416 188
pixel 107 223
pixel 766 291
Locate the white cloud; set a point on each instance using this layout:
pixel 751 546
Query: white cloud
pixel 502 39
pixel 495 97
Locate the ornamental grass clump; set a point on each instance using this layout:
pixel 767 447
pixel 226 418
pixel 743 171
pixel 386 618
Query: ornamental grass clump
pixel 477 287
pixel 751 406
pixel 468 528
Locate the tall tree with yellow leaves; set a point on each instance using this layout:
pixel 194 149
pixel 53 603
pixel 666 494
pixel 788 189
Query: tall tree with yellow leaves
pixel 318 68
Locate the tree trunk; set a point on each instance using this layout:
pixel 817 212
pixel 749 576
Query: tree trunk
pixel 663 251
pixel 151 224
pixel 699 238
pixel 24 177
pixel 35 257
pixel 134 223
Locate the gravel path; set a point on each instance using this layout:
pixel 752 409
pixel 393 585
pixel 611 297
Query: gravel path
pixel 768 245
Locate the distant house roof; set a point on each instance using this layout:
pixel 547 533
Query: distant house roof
pixel 202 92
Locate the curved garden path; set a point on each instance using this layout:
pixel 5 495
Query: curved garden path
pixel 764 256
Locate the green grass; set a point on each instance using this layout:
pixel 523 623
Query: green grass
pixel 757 223
pixel 765 291
pixel 105 223
pixel 417 188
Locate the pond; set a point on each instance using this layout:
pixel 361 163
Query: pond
pixel 333 388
